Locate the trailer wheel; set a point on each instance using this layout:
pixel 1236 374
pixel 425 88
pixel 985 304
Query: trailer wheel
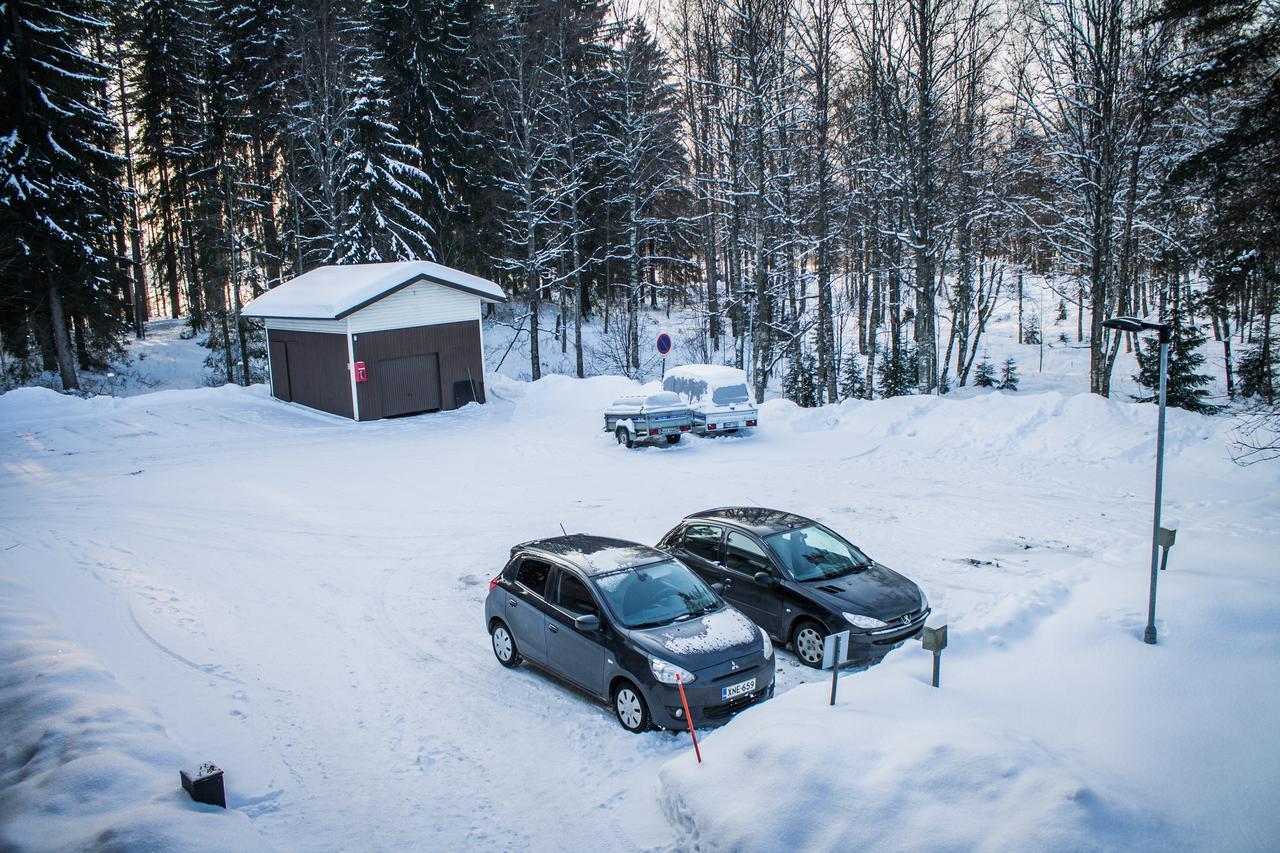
pixel 624 436
pixel 673 439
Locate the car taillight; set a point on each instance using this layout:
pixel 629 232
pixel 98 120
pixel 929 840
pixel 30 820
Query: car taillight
pixel 494 582
pixel 751 423
pixel 711 426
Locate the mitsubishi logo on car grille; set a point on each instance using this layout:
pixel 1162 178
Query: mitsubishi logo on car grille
pixel 733 665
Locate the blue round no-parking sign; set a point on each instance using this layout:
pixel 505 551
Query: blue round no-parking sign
pixel 664 344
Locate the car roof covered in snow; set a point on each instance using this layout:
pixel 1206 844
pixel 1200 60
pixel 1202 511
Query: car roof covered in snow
pixel 758 520
pixel 597 555
pixel 333 292
pixel 715 375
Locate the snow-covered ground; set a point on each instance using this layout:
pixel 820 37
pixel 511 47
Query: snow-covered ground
pixel 299 598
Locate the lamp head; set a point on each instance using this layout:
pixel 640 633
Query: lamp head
pixel 1125 324
pixel 1133 324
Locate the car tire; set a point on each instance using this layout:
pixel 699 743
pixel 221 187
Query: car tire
pixel 673 439
pixel 624 436
pixel 806 641
pixel 630 708
pixel 504 645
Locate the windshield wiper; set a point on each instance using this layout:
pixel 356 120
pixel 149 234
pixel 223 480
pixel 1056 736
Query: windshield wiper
pixel 639 626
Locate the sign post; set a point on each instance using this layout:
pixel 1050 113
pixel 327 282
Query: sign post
pixel 835 651
pixel 935 640
pixel 664 349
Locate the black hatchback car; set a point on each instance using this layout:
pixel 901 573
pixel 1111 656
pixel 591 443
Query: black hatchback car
pixel 626 622
pixel 800 581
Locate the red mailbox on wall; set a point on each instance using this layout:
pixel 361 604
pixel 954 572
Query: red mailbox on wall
pixel 361 373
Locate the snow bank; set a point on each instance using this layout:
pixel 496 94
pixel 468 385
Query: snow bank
pixel 83 764
pixel 899 767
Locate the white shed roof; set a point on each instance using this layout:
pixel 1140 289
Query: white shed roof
pixel 333 292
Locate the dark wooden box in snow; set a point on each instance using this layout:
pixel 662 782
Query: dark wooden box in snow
pixel 206 786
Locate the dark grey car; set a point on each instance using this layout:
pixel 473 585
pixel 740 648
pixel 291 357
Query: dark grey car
pixel 800 581
pixel 624 622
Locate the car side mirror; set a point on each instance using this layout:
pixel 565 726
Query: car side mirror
pixel 718 587
pixel 587 622
pixel 764 578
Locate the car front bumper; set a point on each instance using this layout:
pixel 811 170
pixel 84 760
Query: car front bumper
pixel 705 696
pixel 874 645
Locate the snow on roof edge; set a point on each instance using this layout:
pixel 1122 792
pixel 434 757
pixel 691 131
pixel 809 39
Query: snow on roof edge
pixel 334 291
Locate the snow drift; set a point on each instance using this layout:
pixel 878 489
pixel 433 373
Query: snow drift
pixel 84 765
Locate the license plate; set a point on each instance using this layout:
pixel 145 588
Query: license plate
pixel 670 430
pixel 733 425
pixel 738 689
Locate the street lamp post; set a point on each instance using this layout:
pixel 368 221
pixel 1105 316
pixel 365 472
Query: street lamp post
pixel 1133 324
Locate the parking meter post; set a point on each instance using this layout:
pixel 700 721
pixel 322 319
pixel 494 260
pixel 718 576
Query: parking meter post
pixel 934 640
pixel 688 718
pixel 835 671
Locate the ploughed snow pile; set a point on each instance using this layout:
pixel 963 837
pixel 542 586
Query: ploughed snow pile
pixel 902 767
pixel 83 765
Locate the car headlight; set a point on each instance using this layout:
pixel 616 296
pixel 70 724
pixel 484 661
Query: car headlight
pixel 924 601
pixel 866 622
pixel 768 644
pixel 669 673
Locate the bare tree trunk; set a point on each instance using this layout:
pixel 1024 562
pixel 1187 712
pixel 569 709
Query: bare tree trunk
pixel 61 338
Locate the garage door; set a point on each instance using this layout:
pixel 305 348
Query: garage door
pixel 408 384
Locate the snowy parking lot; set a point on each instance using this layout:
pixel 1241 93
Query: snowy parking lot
pixel 300 599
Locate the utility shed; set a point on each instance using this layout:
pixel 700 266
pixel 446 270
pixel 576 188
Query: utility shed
pixel 369 341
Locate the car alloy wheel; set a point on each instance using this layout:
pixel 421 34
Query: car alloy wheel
pixel 629 705
pixel 504 647
pixel 808 644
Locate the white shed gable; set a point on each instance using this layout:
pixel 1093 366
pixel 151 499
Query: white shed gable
pixel 421 304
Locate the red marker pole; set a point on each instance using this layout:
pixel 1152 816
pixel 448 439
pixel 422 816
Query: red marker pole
pixel 689 719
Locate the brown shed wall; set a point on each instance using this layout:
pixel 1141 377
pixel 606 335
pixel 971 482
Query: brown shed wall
pixel 311 368
pixel 457 346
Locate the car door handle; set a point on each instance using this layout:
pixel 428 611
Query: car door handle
pixel 553 629
pixel 511 602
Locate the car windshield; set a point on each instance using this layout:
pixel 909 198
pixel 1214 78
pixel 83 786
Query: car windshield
pixel 731 394
pixel 645 596
pixel 813 553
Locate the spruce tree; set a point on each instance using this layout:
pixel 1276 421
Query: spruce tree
pixel 853 378
pixel 1257 372
pixel 896 372
pixel 60 197
pixel 1062 311
pixel 799 384
pixel 1009 376
pixel 985 377
pixel 1032 333
pixel 430 66
pixel 1185 388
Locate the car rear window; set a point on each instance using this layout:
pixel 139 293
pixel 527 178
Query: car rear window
pixel 731 394
pixel 533 574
